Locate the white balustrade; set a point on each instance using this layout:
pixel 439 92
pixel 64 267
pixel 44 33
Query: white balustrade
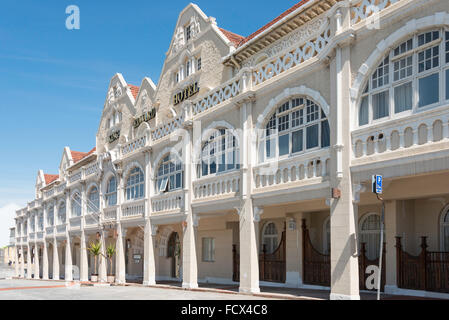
pixel 298 168
pixel 76 176
pixel 75 223
pixel 92 219
pixel 363 9
pixel 171 201
pixel 167 128
pixel 61 229
pixel 220 185
pixel 49 193
pixel 403 133
pixel 40 235
pixel 61 188
pixel 285 61
pixel 134 145
pixel 110 214
pixel 50 230
pixel 91 169
pixel 133 209
pixel 218 95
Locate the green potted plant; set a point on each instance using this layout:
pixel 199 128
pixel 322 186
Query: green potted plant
pixel 110 253
pixel 95 250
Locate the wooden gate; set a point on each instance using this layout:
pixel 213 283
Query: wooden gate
pixel 272 267
pixel 317 267
pixel 429 271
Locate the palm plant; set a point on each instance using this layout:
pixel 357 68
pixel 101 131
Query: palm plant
pixel 110 253
pixel 95 250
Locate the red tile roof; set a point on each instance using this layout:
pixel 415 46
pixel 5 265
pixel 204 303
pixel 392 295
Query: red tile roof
pixel 78 156
pixel 265 27
pixel 233 37
pixel 134 90
pixel 49 178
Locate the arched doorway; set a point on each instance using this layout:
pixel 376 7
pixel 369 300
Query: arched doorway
pixel 174 254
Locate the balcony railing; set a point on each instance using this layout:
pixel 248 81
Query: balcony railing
pixel 91 169
pixel 75 223
pixel 134 145
pixel 167 128
pixel 49 193
pixel 40 235
pixel 362 9
pixel 76 176
pixel 50 230
pixel 172 201
pixel 299 168
pixel 61 188
pixel 227 184
pixel 110 214
pixel 92 219
pixel 135 209
pixel 400 134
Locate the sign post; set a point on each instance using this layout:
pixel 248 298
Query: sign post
pixel 377 181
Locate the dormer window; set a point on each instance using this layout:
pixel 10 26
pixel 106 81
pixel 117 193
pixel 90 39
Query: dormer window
pixel 188 33
pixel 188 68
pixel 198 64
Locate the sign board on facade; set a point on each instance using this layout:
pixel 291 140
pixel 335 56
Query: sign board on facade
pixel 146 117
pixel 114 136
pixel 186 93
pixel 377 184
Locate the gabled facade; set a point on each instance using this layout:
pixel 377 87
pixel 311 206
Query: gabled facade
pixel 250 161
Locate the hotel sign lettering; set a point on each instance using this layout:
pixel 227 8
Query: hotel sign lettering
pixel 146 117
pixel 186 93
pixel 114 136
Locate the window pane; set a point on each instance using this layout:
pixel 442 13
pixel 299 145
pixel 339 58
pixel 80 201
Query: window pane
pixel 325 134
pixel 271 148
pixel 380 105
pixel 429 90
pixel 312 136
pixel 403 98
pixel 297 141
pixel 447 84
pixel 283 145
pixel 363 112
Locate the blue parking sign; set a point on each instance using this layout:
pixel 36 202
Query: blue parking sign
pixel 377 184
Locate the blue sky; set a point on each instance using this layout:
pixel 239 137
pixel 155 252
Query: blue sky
pixel 53 81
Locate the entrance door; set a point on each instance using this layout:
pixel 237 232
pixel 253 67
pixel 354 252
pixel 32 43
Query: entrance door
pixel 174 253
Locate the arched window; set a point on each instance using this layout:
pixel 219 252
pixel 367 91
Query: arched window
pixel 51 216
pixel 170 174
pixel 111 192
pixel 297 126
pixel 408 78
pixel 445 231
pixel 93 205
pixel 76 205
pixel 270 237
pixel 327 236
pixel 370 234
pixel 62 213
pixel 220 153
pixel 41 221
pixel 135 185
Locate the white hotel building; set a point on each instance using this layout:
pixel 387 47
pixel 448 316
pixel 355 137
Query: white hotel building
pixel 250 162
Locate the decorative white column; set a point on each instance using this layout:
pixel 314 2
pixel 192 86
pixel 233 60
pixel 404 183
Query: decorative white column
pixel 55 260
pixel 29 264
pixel 84 266
pixel 45 261
pixel 344 257
pixel 248 215
pixel 102 268
pixel 189 259
pixel 16 261
pixel 120 267
pixel 22 263
pixel 149 268
pixel 36 262
pixel 68 260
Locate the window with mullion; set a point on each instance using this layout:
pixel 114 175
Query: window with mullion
pixel 415 72
pixel 170 175
pixel 301 125
pixel 219 153
pixel 135 185
pixel 111 192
